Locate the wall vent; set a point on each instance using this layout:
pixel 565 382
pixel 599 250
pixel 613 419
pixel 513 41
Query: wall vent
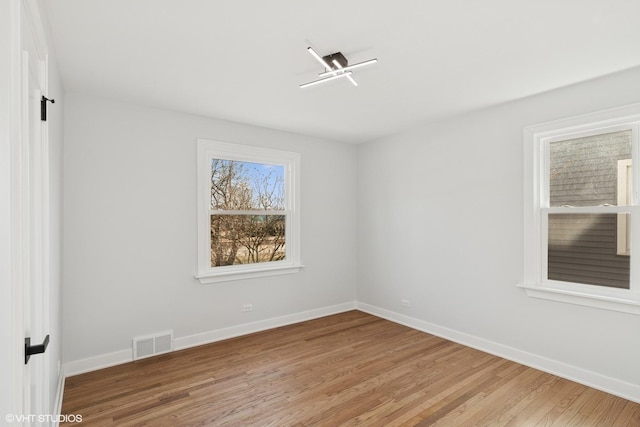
pixel 150 345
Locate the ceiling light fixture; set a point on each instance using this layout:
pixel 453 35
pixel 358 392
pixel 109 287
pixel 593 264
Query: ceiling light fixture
pixel 336 66
pixel 337 76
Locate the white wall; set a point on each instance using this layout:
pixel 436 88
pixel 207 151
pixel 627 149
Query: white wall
pixel 130 228
pixel 441 224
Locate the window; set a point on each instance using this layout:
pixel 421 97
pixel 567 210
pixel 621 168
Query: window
pixel 581 209
pixel 248 211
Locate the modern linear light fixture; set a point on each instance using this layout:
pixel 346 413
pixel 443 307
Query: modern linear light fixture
pixel 336 66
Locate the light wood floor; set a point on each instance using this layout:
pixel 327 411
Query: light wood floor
pixel 347 369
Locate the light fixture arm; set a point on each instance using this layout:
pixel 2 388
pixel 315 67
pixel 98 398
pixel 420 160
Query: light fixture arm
pixel 338 67
pixel 326 79
pixel 320 59
pixel 351 67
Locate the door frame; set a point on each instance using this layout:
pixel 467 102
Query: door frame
pixel 20 219
pixel 35 139
pixel 15 207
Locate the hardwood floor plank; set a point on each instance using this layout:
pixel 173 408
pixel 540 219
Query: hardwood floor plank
pixel 349 369
pixel 585 415
pixel 607 411
pixel 583 399
pixel 556 395
pixel 564 403
pixel 487 407
pixel 629 416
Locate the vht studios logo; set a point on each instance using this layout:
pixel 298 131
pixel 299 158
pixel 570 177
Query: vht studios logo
pixel 43 418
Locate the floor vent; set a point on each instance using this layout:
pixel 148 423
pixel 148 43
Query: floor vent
pixel 150 345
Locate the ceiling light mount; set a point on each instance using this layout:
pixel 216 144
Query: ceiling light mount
pixel 335 66
pixel 338 57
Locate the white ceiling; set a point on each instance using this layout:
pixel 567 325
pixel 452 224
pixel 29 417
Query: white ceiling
pixel 243 60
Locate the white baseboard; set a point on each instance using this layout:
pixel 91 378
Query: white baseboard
pixel 262 325
pixel 123 356
pixel 94 363
pixel 601 382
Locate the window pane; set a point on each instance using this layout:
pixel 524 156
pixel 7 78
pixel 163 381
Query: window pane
pixel 247 239
pixel 584 171
pixel 583 248
pixel 246 186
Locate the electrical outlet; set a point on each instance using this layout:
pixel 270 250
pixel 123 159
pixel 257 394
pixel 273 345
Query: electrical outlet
pixel 247 307
pixel 405 303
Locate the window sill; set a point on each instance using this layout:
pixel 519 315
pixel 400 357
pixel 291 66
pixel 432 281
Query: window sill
pixel 629 304
pixel 227 276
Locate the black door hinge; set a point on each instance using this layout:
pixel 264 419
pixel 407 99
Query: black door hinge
pixel 43 107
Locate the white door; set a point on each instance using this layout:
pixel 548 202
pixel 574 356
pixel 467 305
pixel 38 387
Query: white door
pixel 33 193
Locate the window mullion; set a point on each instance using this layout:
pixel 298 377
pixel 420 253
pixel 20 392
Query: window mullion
pixel 247 212
pixel 588 210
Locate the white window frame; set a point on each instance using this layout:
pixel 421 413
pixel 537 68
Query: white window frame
pixel 625 197
pixel 536 210
pixel 207 150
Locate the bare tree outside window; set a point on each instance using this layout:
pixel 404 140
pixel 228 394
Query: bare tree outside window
pixel 248 216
